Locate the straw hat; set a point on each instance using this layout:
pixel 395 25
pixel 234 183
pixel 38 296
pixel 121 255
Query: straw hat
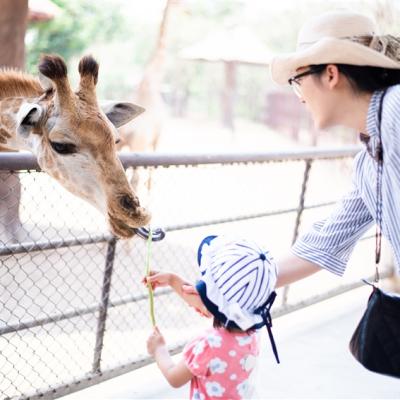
pixel 338 38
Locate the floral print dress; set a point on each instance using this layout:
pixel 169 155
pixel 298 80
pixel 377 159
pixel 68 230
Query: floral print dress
pixel 221 363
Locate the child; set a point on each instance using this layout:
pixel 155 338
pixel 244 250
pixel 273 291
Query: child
pixel 237 290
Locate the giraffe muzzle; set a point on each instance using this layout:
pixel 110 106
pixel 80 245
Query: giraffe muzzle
pixel 126 215
pixel 126 228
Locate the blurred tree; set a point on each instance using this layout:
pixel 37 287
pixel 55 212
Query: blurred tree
pixel 13 21
pixel 216 10
pixel 81 23
pixel 386 13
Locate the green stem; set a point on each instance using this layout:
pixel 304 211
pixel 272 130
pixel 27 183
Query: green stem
pixel 151 296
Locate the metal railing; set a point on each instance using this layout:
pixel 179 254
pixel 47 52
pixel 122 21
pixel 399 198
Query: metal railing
pixel 56 302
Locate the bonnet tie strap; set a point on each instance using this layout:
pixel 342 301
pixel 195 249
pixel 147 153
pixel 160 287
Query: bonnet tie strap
pixel 266 316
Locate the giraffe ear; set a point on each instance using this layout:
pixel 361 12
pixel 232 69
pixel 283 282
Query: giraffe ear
pixel 45 82
pixel 28 117
pixel 120 113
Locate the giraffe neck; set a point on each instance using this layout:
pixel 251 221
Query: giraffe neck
pixel 154 71
pixel 158 59
pixel 18 84
pixel 16 88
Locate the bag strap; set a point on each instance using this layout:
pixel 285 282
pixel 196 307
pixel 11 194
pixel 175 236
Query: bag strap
pixel 379 160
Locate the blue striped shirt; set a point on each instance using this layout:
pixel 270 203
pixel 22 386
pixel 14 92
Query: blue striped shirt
pixel 331 241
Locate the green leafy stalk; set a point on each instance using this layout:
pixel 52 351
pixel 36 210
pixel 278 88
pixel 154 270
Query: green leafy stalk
pixel 151 296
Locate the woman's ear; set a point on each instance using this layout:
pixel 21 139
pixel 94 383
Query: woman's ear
pixel 332 75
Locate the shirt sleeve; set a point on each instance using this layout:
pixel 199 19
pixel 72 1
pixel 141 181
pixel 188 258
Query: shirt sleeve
pixel 331 241
pixel 197 356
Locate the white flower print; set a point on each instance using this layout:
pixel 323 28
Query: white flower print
pixel 232 353
pixel 198 395
pixel 248 362
pixel 217 366
pixel 242 388
pixel 233 377
pixel 214 340
pixel 214 389
pixel 244 340
pixel 198 347
pixel 195 365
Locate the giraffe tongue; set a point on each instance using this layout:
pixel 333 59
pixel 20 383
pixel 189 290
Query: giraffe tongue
pixel 157 234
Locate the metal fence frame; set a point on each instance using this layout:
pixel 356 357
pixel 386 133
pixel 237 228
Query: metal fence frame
pixel 23 161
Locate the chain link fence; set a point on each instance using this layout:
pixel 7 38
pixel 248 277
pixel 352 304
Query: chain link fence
pixel 74 311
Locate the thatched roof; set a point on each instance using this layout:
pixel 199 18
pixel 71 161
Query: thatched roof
pixel 237 44
pixel 42 10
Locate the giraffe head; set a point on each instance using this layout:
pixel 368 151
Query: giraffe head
pixel 74 140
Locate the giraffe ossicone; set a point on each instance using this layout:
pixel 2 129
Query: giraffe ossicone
pixel 72 136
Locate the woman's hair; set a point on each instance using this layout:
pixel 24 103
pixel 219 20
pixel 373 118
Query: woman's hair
pixel 365 78
pixel 218 324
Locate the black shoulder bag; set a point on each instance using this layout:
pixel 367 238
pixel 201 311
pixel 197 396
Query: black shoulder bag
pixel 376 341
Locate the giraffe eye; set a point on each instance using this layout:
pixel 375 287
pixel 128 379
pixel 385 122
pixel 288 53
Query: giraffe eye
pixel 63 148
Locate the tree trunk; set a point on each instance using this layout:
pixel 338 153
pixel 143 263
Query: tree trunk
pixel 13 21
pixel 228 96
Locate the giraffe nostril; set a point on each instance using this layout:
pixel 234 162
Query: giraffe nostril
pixel 128 202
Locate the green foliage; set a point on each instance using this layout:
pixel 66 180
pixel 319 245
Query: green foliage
pixel 216 10
pixel 80 24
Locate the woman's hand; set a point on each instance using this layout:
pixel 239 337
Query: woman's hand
pixel 155 341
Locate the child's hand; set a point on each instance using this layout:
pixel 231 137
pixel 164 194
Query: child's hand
pixel 158 279
pixel 186 290
pixel 154 341
pixel 189 289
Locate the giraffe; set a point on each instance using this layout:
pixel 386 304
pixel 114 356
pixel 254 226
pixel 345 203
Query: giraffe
pixel 144 135
pixel 72 136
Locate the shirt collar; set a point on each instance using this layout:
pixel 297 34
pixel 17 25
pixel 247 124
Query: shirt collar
pixel 372 114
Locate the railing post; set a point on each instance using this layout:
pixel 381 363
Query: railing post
pixel 103 308
pixel 299 213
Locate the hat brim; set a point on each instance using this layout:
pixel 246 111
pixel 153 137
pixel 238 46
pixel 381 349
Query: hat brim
pixel 254 321
pixel 327 51
pixel 206 241
pixel 212 308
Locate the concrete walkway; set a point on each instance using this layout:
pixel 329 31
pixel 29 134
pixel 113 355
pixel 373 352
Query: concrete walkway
pixel 315 362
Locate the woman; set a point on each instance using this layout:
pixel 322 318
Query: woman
pixel 341 70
